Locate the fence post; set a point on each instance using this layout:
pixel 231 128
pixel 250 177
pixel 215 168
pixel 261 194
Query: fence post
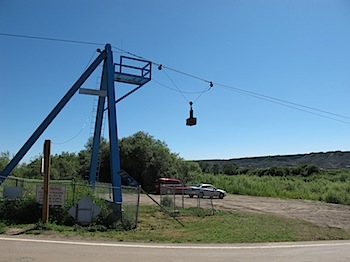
pixel 137 206
pixel 73 189
pixel 47 153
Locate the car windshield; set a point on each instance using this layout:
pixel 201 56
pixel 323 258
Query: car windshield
pixel 195 185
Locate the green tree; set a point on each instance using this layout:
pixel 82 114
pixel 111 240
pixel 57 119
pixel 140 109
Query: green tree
pixel 142 156
pixel 4 159
pixel 146 158
pixel 84 158
pixel 184 168
pixel 205 166
pixel 215 169
pixel 31 170
pixel 65 166
pixel 311 169
pixel 229 168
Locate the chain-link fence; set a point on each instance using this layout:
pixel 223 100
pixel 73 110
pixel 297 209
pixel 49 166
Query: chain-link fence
pixel 174 198
pixel 68 193
pixel 131 200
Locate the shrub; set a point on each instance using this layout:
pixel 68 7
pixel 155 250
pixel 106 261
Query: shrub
pixel 2 228
pixel 334 197
pixel 19 211
pixel 166 201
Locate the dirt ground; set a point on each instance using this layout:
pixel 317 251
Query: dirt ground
pixel 327 215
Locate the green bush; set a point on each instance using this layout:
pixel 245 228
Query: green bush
pixel 166 201
pixel 29 212
pixel 334 197
pixel 19 211
pixel 2 227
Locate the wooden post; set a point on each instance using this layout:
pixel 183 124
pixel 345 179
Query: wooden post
pixel 47 158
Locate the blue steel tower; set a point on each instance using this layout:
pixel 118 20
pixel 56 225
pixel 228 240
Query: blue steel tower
pixel 128 70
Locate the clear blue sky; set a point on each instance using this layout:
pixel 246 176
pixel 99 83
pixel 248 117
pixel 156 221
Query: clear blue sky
pixel 296 51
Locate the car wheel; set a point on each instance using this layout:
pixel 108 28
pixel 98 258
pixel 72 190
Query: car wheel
pixel 191 196
pixel 201 195
pixel 221 196
pixel 168 191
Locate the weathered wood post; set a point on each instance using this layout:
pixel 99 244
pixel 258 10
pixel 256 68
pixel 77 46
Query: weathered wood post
pixel 47 158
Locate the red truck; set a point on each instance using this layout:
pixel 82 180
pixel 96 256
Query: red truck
pixel 165 185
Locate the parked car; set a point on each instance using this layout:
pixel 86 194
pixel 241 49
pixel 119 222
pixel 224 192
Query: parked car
pixel 165 185
pixel 202 190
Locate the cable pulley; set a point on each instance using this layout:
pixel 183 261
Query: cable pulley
pixel 191 121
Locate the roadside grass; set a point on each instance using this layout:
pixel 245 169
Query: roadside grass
pixel 223 227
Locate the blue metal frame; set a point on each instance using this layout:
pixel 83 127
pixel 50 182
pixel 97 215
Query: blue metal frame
pixel 113 135
pixel 37 133
pixel 145 72
pixel 107 84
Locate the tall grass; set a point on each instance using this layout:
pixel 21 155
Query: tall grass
pixel 328 186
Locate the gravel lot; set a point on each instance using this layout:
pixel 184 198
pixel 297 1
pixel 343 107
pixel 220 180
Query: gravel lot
pixel 327 215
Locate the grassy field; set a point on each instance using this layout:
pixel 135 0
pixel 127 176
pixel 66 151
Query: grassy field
pixel 223 227
pixel 331 186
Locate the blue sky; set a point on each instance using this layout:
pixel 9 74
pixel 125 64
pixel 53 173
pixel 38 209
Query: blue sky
pixel 295 51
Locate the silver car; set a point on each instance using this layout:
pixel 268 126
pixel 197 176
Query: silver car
pixel 202 190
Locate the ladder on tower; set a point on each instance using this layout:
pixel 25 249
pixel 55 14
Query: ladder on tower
pixel 92 130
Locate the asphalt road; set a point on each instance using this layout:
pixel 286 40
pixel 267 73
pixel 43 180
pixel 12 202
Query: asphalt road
pixel 19 249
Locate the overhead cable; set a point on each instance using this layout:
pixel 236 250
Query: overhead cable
pixel 178 91
pixel 249 93
pixel 78 133
pixel 289 104
pixel 52 39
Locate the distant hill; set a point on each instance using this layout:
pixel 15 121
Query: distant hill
pixel 328 160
